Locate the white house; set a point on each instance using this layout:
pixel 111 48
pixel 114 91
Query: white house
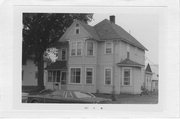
pixel 102 58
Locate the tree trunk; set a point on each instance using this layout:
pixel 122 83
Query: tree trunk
pixel 40 64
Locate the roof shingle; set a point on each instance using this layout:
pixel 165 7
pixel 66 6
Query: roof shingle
pixel 127 62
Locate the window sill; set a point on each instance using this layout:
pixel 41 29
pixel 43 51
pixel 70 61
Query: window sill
pixel 126 85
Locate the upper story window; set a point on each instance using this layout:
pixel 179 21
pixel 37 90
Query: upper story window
pixel 76 48
pixel 73 49
pixel 63 52
pixel 77 25
pixel 90 46
pixel 109 47
pixel 77 28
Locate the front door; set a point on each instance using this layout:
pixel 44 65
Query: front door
pixel 63 80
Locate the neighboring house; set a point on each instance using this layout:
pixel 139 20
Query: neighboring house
pixel 29 73
pixel 102 58
pixel 151 78
pixel 148 78
pixel 155 78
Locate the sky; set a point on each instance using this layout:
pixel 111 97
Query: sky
pixel 141 26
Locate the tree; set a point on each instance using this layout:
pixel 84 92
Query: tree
pixel 40 30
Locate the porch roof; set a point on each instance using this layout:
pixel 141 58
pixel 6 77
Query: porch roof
pixel 129 63
pixel 58 65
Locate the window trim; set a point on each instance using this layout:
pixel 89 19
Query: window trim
pixel 87 48
pixel 70 75
pixel 65 54
pixel 112 46
pixel 52 80
pixel 123 69
pixel 76 42
pixel 105 76
pixel 92 75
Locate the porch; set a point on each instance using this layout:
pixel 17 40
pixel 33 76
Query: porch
pixel 56 75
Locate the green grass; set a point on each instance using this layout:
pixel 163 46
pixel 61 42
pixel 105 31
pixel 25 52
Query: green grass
pixel 131 99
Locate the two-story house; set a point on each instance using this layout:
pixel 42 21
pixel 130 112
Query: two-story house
pixel 101 58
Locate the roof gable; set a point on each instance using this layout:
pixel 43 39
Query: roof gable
pixel 105 30
pixel 85 31
pixel 148 68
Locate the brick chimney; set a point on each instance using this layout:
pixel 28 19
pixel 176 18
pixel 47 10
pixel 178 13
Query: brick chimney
pixel 112 19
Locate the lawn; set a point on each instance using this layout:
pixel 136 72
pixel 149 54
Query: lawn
pixel 131 99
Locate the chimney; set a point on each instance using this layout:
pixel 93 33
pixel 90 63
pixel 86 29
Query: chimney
pixel 112 19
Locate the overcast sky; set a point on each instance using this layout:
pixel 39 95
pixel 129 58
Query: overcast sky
pixel 142 27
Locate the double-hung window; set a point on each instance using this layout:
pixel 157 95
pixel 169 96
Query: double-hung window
pixel 79 48
pixel 90 48
pixel 89 75
pixel 76 48
pixel 127 77
pixel 108 47
pixel 75 75
pixel 63 53
pixel 108 76
pixel 73 48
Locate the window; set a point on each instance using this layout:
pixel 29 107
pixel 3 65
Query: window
pixel 63 52
pixel 126 77
pixel 90 48
pixel 54 76
pixel 109 46
pixel 75 75
pixel 79 48
pixel 108 76
pixel 77 25
pixel 77 31
pixel 76 48
pixel 73 49
pixel 89 75
pixel 77 28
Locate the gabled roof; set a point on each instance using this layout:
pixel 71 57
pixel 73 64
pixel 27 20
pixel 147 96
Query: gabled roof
pixel 105 30
pixel 91 30
pixel 129 63
pixel 57 65
pixel 148 68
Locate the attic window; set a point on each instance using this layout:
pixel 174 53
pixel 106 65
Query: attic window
pixel 77 31
pixel 77 25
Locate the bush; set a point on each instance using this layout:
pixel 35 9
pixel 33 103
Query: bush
pixel 144 91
